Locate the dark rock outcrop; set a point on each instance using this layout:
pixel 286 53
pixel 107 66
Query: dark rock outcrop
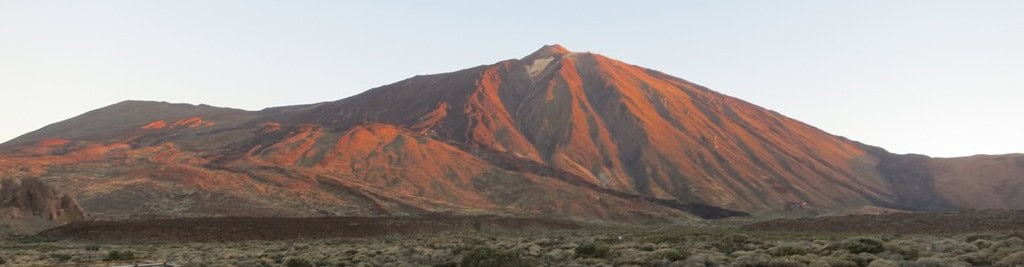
pixel 20 198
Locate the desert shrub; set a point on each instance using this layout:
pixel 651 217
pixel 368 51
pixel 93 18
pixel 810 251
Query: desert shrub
pixel 750 259
pixel 591 250
pixel 322 262
pixel 761 260
pixel 929 262
pixel 906 249
pixel 447 264
pixel 787 250
pixel 298 262
pixel 115 255
pixel 489 257
pixel 92 248
pixel 704 260
pixel 806 258
pixel 60 257
pixel 263 263
pixel 863 245
pixel 883 263
pixel 1012 242
pixel 1014 234
pixel 276 258
pixel 981 243
pixel 732 243
pixel 862 259
pixel 976 259
pixel 952 246
pixel 1004 248
pixel 783 262
pixel 1015 259
pixel 669 237
pixel 975 237
pixel 670 254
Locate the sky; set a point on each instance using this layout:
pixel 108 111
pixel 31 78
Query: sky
pixel 941 78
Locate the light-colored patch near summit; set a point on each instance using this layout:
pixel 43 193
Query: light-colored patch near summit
pixel 538 66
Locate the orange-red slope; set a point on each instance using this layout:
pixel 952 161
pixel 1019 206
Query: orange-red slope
pixel 556 133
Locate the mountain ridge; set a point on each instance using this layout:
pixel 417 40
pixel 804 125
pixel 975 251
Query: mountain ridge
pixel 582 124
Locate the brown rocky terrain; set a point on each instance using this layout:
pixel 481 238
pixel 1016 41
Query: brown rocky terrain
pixel 901 223
pixel 232 229
pixel 556 133
pixel 29 205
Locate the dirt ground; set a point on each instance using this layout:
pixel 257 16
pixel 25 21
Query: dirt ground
pixel 241 229
pixel 929 223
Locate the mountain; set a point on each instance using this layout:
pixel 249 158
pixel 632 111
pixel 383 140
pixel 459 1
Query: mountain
pixel 555 133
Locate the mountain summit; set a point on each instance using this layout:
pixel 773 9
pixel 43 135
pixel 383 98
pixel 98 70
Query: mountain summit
pixel 547 51
pixel 573 135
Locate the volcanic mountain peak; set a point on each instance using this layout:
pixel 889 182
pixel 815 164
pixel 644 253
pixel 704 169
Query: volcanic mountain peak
pixel 547 51
pixel 556 133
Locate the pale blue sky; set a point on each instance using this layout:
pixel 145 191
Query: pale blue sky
pixel 943 78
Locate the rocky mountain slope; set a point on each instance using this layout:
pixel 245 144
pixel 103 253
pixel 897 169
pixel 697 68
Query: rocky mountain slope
pixel 556 133
pixel 28 205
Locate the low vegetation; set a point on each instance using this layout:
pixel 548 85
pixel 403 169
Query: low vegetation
pixel 298 262
pixel 860 245
pixel 115 255
pixel 722 244
pixel 591 250
pixel 491 257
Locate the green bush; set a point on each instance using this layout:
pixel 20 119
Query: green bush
pixel 863 245
pixel 298 262
pixel 591 250
pixel 489 257
pixel 115 255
